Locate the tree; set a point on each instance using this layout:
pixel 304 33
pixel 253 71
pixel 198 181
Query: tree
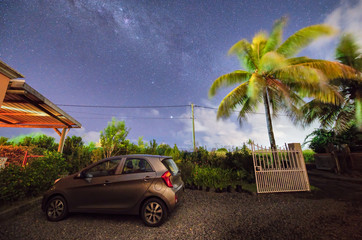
pixel 113 137
pixel 274 77
pixel 343 116
pixel 76 154
pixel 4 141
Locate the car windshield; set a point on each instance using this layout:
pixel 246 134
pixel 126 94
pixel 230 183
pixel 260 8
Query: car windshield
pixel 171 166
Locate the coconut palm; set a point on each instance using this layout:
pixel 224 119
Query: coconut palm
pixel 343 116
pixel 274 77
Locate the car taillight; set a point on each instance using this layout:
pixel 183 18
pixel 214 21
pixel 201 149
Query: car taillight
pixel 166 177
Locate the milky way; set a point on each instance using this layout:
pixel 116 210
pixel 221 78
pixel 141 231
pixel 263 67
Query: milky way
pixel 134 53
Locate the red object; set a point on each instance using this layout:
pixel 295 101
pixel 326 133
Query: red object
pixel 29 156
pixel 25 158
pixel 166 178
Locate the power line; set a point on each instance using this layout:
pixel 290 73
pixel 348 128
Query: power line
pixel 135 118
pixel 217 109
pixel 144 107
pixel 131 107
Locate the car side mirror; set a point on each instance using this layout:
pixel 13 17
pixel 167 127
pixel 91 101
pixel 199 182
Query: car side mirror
pixel 85 176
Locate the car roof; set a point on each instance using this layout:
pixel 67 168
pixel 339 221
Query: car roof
pixel 138 155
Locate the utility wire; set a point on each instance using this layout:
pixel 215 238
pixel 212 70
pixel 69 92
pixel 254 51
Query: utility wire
pixel 108 106
pixel 135 118
pixel 145 107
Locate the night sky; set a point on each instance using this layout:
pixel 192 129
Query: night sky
pixel 151 53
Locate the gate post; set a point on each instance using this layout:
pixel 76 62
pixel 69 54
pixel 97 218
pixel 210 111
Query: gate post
pixel 298 148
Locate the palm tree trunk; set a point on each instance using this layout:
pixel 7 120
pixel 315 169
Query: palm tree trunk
pixel 269 121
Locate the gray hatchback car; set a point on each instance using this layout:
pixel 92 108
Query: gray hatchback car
pixel 145 185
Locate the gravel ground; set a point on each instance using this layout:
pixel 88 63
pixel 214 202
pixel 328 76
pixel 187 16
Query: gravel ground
pixel 208 215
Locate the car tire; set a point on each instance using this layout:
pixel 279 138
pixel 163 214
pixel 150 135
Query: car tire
pixel 154 212
pixel 56 209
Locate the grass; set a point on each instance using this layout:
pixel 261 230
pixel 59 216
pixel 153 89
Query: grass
pixel 314 188
pixel 250 187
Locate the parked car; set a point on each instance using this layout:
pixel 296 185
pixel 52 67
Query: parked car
pixel 145 185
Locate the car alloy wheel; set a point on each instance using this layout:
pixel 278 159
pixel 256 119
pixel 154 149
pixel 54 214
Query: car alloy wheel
pixel 154 212
pixel 56 209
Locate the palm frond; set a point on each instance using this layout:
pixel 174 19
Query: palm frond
pixel 257 45
pixel 229 79
pixel 345 119
pixel 271 61
pixel 248 106
pixel 234 98
pixel 348 52
pixel 358 114
pixel 299 75
pixel 244 52
pixel 325 113
pixel 308 82
pixel 302 38
pixel 282 98
pixel 276 35
pixel 256 86
pixel 332 70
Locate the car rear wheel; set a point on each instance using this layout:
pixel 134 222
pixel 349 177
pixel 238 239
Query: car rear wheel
pixel 56 209
pixel 154 212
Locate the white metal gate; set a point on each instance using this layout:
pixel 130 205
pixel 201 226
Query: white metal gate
pixel 280 170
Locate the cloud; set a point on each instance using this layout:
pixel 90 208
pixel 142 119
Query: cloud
pixel 87 136
pixel 228 133
pixel 347 18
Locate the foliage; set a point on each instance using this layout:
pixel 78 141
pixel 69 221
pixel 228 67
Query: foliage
pixel 41 173
pixel 152 149
pixel 39 142
pixel 113 138
pixel 15 154
pixel 17 182
pixel 97 154
pixel 322 138
pixel 341 117
pixel 308 155
pixel 4 141
pixel 187 169
pixel 76 154
pixel 273 77
pixel 217 169
pixel 207 176
pixel 163 149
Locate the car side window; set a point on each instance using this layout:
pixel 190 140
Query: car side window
pixel 135 165
pixel 106 168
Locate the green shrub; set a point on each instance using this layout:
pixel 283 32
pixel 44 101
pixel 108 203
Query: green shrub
pixel 76 154
pixel 187 169
pixel 41 173
pixel 12 185
pixel 17 182
pixel 308 155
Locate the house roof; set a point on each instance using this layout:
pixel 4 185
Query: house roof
pixel 24 107
pixel 9 72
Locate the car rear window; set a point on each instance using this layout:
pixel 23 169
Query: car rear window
pixel 170 165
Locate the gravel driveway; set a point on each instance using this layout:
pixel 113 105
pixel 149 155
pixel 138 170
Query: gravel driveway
pixel 209 215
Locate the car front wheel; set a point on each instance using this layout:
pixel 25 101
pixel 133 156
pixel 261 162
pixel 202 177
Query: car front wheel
pixel 56 209
pixel 154 212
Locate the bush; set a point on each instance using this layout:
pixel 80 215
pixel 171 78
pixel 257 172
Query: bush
pixel 187 169
pixel 15 154
pixel 17 182
pixel 322 138
pixel 40 142
pixel 12 185
pixel 308 156
pixel 76 154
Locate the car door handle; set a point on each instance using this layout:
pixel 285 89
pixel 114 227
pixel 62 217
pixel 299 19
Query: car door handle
pixel 106 183
pixel 146 179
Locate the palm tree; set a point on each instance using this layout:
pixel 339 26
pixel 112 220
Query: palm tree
pixel 277 80
pixel 343 116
